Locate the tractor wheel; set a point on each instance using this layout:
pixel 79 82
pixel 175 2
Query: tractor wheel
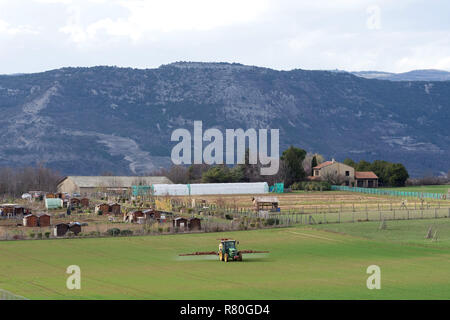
pixel 240 256
pixel 226 257
pixel 220 256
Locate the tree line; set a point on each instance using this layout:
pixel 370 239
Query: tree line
pixel 296 165
pixel 16 181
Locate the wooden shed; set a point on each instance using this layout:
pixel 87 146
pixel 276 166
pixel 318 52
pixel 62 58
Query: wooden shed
pixel 84 202
pixel 195 224
pixel 75 202
pixel 134 215
pixel 180 222
pixel 60 229
pixel 75 227
pixel 265 204
pixel 103 208
pixel 30 220
pixel 44 220
pixel 114 208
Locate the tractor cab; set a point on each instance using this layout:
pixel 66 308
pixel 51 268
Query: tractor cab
pixel 228 250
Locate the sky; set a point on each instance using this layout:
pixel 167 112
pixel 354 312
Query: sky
pixel 352 35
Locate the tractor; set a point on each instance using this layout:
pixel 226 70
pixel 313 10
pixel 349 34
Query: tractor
pixel 228 250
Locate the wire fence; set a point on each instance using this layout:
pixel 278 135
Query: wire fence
pixel 394 193
pixel 6 295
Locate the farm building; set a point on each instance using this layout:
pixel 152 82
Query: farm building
pixel 43 220
pixel 75 227
pixel 195 224
pixel 60 229
pixel 30 220
pixel 152 214
pixel 114 208
pixel 265 204
pixel 366 179
pixel 103 208
pixel 84 202
pixel 336 171
pixel 210 188
pixel 86 185
pixel 53 203
pixel 180 222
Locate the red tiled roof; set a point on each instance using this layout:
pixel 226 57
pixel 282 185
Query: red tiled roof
pixel 323 164
pixel 365 175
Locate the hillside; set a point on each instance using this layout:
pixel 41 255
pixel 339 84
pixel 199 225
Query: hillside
pixel 91 120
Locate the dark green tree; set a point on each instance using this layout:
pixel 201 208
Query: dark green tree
pixel 313 164
pixel 398 175
pixel 350 162
pixel 293 158
pixel 363 165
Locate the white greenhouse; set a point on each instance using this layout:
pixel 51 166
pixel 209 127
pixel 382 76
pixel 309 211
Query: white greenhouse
pixel 210 188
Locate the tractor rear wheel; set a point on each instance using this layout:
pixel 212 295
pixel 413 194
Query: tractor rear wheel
pixel 240 257
pixel 226 257
pixel 220 256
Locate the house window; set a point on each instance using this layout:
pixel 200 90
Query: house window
pixel 316 173
pixel 347 173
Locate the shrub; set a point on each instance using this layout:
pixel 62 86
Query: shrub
pixel 47 234
pixel 113 232
pixel 99 212
pixel 32 234
pixel 160 230
pixel 126 232
pixel 229 216
pixel 70 234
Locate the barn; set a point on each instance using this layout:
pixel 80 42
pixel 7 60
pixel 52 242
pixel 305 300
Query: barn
pixel 30 220
pixel 60 229
pixel 43 220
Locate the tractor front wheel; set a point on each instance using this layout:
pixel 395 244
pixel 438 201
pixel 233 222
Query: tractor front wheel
pixel 226 257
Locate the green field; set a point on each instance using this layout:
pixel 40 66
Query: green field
pixel 429 189
pixel 303 263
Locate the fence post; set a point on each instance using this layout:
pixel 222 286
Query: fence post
pixel 435 213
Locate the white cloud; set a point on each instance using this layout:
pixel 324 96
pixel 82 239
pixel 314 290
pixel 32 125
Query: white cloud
pixel 8 29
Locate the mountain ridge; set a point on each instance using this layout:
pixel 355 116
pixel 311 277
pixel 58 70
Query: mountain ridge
pixel 86 120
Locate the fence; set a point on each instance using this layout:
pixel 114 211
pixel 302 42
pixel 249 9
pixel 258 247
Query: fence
pixel 6 295
pixel 394 193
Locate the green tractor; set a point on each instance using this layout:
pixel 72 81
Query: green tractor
pixel 228 250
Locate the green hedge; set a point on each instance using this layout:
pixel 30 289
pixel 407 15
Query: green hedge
pixel 311 186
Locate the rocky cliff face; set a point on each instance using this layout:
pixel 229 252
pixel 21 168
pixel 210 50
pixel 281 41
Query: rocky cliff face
pixel 90 120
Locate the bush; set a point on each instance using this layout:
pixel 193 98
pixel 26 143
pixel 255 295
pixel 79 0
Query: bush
pixel 311 186
pixel 70 234
pixel 126 232
pixel 229 217
pixel 113 232
pixel 99 212
pixel 47 234
pixel 32 234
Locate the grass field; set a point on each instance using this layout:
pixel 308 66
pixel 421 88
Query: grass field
pixel 303 263
pixel 429 189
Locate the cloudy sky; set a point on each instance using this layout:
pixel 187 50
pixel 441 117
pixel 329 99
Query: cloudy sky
pixel 396 36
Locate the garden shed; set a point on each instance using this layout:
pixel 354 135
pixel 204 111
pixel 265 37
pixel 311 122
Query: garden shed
pixel 30 220
pixel 44 220
pixel 103 208
pixel 60 229
pixel 84 202
pixel 180 222
pixel 114 208
pixel 75 227
pixel 195 224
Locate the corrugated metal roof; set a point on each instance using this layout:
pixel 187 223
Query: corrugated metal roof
pixel 116 181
